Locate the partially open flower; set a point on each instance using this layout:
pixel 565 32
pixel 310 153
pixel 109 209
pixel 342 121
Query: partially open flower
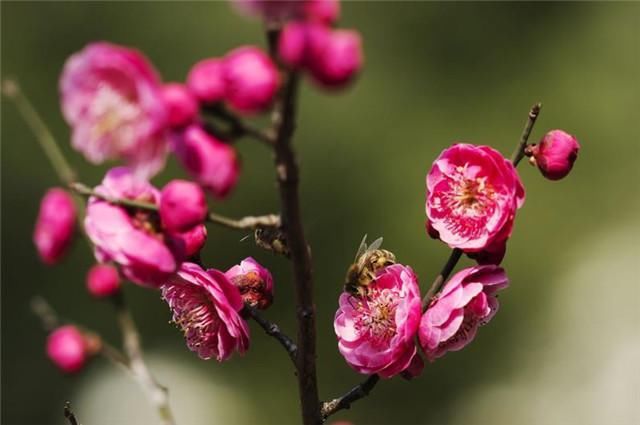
pixel 555 154
pixel 55 225
pixel 111 96
pixel 376 331
pixel 466 302
pixel 67 348
pixel 103 280
pixel 182 107
pixel 206 80
pixel 206 308
pixel 182 205
pixel 253 281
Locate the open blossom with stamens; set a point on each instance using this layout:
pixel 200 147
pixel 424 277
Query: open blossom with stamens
pixel 112 98
pixel 376 331
pixel 206 307
pixel 466 302
pixel 473 193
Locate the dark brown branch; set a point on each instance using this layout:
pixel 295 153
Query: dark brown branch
pixel 238 126
pixel 518 154
pixel 356 393
pixel 274 331
pixel 68 414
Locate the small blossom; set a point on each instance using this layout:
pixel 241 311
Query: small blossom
pixel 473 193
pixel 103 280
pixel 55 225
pixel 185 245
pixel 376 332
pixel 338 60
pixel 206 307
pixel 293 44
pixel 251 79
pixel 182 205
pixel 254 282
pixel 206 80
pixel 325 12
pixel 466 302
pixel 555 154
pixel 210 162
pixel 182 107
pixel 67 349
pixel 111 96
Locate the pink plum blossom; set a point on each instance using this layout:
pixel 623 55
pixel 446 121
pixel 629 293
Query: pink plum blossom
pixel 55 225
pixel 67 348
pixel 206 307
pixel 103 280
pixel 376 332
pixel 182 106
pixel 187 244
pixel 325 12
pixel 253 281
pixel 182 205
pixel 555 154
pixel 337 60
pixel 112 98
pixel 209 161
pixel 467 301
pixel 473 193
pixel 206 80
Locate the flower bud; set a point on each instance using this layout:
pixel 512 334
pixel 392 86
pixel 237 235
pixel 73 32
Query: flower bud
pixel 185 245
pixel 325 12
pixel 103 280
pixel 254 282
pixel 182 107
pixel 182 205
pixel 205 80
pixel 555 154
pixel 292 44
pixel 251 79
pixel 55 225
pixel 340 58
pixel 67 349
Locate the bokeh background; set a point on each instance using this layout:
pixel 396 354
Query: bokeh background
pixel 565 347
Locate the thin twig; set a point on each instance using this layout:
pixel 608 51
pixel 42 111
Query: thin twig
pixel 238 126
pixel 68 413
pixel 356 393
pixel 518 154
pixel 273 330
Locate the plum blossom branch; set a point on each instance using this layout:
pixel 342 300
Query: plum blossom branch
pixel 519 153
pixel 274 331
pixel 454 257
pixel 238 126
pixel 68 414
pixel 356 393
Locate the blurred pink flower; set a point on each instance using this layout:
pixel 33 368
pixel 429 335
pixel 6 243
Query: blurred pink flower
pixel 473 193
pixel 467 301
pixel 254 282
pixel 271 10
pixel 338 59
pixel 182 205
pixel 55 225
pixel 325 12
pixel 182 106
pixel 555 154
pixel 206 80
pixel 112 98
pixel 67 348
pixel 376 332
pixel 206 307
pixel 103 280
pixel 187 244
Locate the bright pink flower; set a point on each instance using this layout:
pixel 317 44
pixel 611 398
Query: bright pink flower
pixel 182 205
pixel 185 245
pixel 555 154
pixel 272 10
pixel 376 333
pixel 67 348
pixel 473 193
pixel 112 98
pixel 336 59
pixel 206 80
pixel 254 282
pixel 131 238
pixel 206 307
pixel 323 11
pixel 293 44
pixel 103 280
pixel 182 107
pixel 467 301
pixel 55 225
pixel 251 79
pixel 210 162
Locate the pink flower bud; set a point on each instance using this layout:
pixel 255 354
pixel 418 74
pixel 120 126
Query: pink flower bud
pixel 206 81
pixel 185 245
pixel 182 205
pixel 210 162
pixel 251 79
pixel 337 61
pixel 103 280
pixel 55 225
pixel 182 107
pixel 67 349
pixel 325 12
pixel 555 154
pixel 292 44
pixel 254 282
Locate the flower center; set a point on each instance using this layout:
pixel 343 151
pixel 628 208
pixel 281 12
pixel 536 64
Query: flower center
pixel 376 315
pixel 469 196
pixel 114 116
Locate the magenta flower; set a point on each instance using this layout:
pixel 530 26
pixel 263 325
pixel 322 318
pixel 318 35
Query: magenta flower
pixel 210 162
pixel 206 80
pixel 67 348
pixel 55 225
pixel 325 12
pixel 112 98
pixel 272 10
pixel 376 333
pixel 131 238
pixel 182 205
pixel 338 59
pixel 555 154
pixel 206 307
pixel 473 193
pixel 253 281
pixel 182 106
pixel 185 245
pixel 103 280
pixel 466 302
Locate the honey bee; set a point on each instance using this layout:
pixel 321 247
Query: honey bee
pixel 368 261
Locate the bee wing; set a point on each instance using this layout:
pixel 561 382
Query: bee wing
pixel 375 245
pixel 362 248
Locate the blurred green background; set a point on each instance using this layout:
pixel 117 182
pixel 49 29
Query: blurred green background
pixel 564 348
